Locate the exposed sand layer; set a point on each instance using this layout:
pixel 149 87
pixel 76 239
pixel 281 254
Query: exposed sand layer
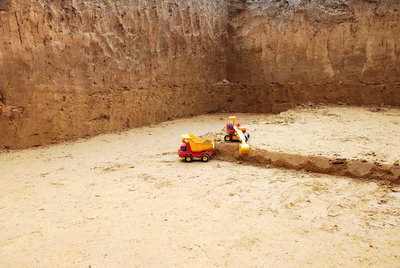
pixel 127 200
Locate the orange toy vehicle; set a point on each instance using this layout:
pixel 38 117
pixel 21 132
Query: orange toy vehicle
pixel 237 132
pixel 194 147
pixel 232 133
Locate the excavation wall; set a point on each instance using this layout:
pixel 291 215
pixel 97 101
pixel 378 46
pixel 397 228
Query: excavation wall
pixel 75 68
pixel 287 52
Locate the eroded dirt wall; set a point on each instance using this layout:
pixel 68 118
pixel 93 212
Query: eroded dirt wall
pixel 289 52
pixel 76 68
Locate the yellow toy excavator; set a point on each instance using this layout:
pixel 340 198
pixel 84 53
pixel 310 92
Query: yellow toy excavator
pixel 237 132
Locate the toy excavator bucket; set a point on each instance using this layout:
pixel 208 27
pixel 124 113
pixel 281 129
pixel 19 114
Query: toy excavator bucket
pixel 244 149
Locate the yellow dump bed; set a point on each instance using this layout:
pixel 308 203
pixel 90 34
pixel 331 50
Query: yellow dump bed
pixel 198 145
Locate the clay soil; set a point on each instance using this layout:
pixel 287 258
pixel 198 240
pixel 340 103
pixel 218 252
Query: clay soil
pixel 127 200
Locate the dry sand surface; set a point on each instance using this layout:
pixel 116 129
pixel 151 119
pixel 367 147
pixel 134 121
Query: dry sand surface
pixel 372 134
pixel 126 200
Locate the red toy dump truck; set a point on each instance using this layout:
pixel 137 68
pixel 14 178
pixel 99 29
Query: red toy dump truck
pixel 194 147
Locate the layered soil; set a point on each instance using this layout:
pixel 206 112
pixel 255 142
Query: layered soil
pixel 127 199
pixel 315 42
pixel 332 51
pixel 74 68
pixel 70 69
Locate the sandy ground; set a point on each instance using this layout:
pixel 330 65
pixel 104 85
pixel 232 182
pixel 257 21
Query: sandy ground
pixel 126 200
pixel 372 134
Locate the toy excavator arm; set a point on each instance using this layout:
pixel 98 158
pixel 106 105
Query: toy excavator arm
pixel 244 148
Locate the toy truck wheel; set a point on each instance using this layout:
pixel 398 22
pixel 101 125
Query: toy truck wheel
pixel 188 158
pixel 205 157
pixel 228 137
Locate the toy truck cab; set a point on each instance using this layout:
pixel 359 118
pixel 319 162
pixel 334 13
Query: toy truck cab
pixel 194 147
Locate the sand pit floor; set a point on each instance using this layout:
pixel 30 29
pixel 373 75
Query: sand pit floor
pixel 371 134
pixel 126 200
